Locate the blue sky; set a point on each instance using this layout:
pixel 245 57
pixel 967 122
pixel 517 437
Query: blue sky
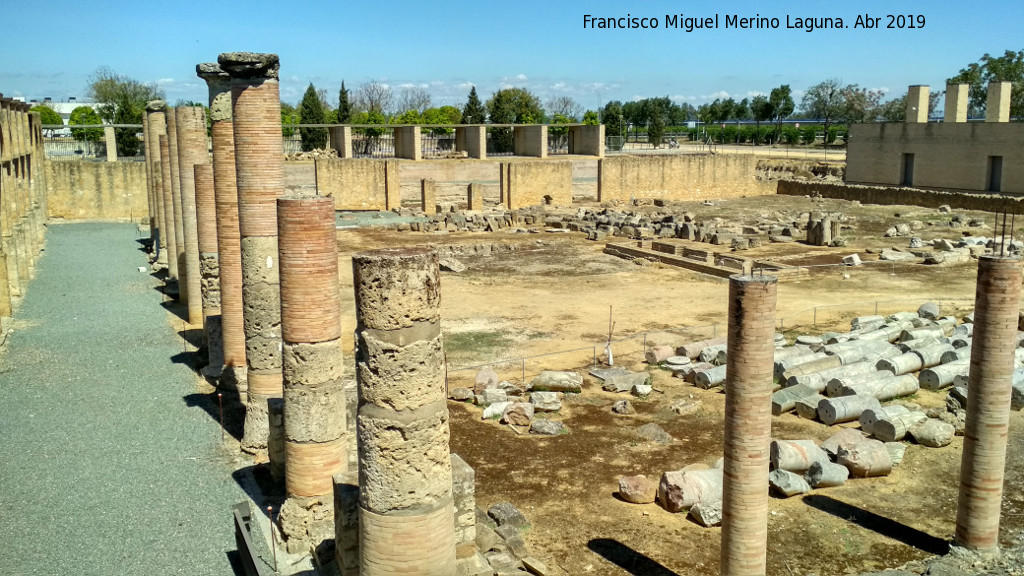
pixel 448 46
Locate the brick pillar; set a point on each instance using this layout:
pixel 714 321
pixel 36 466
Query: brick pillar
pixel 984 455
pixel 314 395
pixel 748 424
pixel 180 270
pixel 229 257
pixel 428 196
pixel 259 169
pixel 190 125
pixel 168 199
pixel 209 283
pixel 406 518
pixel 157 126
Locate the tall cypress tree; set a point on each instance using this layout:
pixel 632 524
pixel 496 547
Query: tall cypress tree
pixel 474 112
pixel 344 107
pixel 311 111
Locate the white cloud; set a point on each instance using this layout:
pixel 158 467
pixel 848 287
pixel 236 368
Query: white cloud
pixel 720 94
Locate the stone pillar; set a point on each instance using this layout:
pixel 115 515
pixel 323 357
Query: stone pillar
pixel 180 270
pixel 209 283
pixel 587 140
pixel 406 519
pixel 259 169
pixel 314 395
pixel 530 140
pixel 407 143
pixel 956 103
pixel 150 209
pixel 190 125
pixel 157 123
pixel 748 424
pixel 341 140
pixel 474 197
pixel 472 140
pixel 428 196
pixel 997 107
pixel 110 139
pixel 168 198
pixel 917 104
pixel 229 252
pixel 988 412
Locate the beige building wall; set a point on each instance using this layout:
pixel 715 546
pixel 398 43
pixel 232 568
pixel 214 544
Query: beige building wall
pixel 588 140
pixel 97 190
pixel 407 143
pixel 359 184
pixel 997 106
pixel 538 182
pixel 955 156
pixel 680 177
pixel 530 140
pixel 472 140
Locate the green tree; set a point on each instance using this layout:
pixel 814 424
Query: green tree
pixel 289 117
pixel 344 113
pixel 85 116
pixel 442 115
pixel 590 118
pixel 826 101
pixel 612 117
pixel 762 111
pixel 410 116
pixel 512 106
pixel 1006 68
pixel 781 99
pixel 311 111
pixel 47 115
pixel 127 111
pixel 656 127
pixel 109 90
pixel 474 111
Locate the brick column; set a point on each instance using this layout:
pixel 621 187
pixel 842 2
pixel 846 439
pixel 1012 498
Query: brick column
pixel 748 424
pixel 180 270
pixel 988 413
pixel 259 169
pixel 168 200
pixel 314 395
pixel 157 126
pixel 209 283
pixel 406 511
pixel 190 126
pixel 150 209
pixel 229 256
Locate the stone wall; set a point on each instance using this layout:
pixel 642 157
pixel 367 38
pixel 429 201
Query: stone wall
pixel 680 177
pixel 81 190
pixel 888 195
pixel 540 182
pixel 945 155
pixel 359 184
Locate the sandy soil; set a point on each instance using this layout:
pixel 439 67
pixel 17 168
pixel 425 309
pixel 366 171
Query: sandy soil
pixel 554 292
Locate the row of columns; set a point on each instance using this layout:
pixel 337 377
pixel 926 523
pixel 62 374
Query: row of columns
pixel 22 199
pixel 748 414
pixel 997 106
pixel 259 269
pixel 529 140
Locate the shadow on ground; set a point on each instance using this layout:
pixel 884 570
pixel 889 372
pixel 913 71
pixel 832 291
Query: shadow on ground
pixel 232 418
pixel 628 559
pixel 879 524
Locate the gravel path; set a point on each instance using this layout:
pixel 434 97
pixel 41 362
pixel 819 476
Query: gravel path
pixel 104 469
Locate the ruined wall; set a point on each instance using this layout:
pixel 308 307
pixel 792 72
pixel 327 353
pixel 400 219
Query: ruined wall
pixel 680 177
pixel 359 184
pixel 946 155
pixel 538 182
pixel 97 190
pixel 889 195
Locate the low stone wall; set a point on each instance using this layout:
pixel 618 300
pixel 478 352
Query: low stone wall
pixel 680 177
pixel 80 190
pixel 537 183
pixel 885 195
pixel 359 184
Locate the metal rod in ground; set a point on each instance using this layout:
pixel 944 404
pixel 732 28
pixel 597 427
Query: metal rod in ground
pixel 524 371
pixel 273 537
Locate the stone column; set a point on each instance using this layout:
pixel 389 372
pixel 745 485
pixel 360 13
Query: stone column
pixel 406 512
pixel 956 103
pixel 110 139
pixel 428 196
pixel 997 106
pixel 988 413
pixel 917 104
pixel 180 269
pixel 341 140
pixel 150 209
pixel 474 197
pixel 209 283
pixel 314 395
pixel 168 200
pixel 259 169
pixel 190 125
pixel 157 124
pixel 748 424
pixel 229 257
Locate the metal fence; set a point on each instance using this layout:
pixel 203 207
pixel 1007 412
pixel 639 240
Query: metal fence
pixel 518 369
pixel 89 142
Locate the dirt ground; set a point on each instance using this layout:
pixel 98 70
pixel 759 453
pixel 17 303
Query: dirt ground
pixel 553 293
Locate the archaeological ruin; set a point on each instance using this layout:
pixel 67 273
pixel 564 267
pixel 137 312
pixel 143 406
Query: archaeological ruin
pixel 558 361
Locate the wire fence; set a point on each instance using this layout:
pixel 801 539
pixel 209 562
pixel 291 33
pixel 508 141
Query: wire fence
pixel 90 143
pixel 813 319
